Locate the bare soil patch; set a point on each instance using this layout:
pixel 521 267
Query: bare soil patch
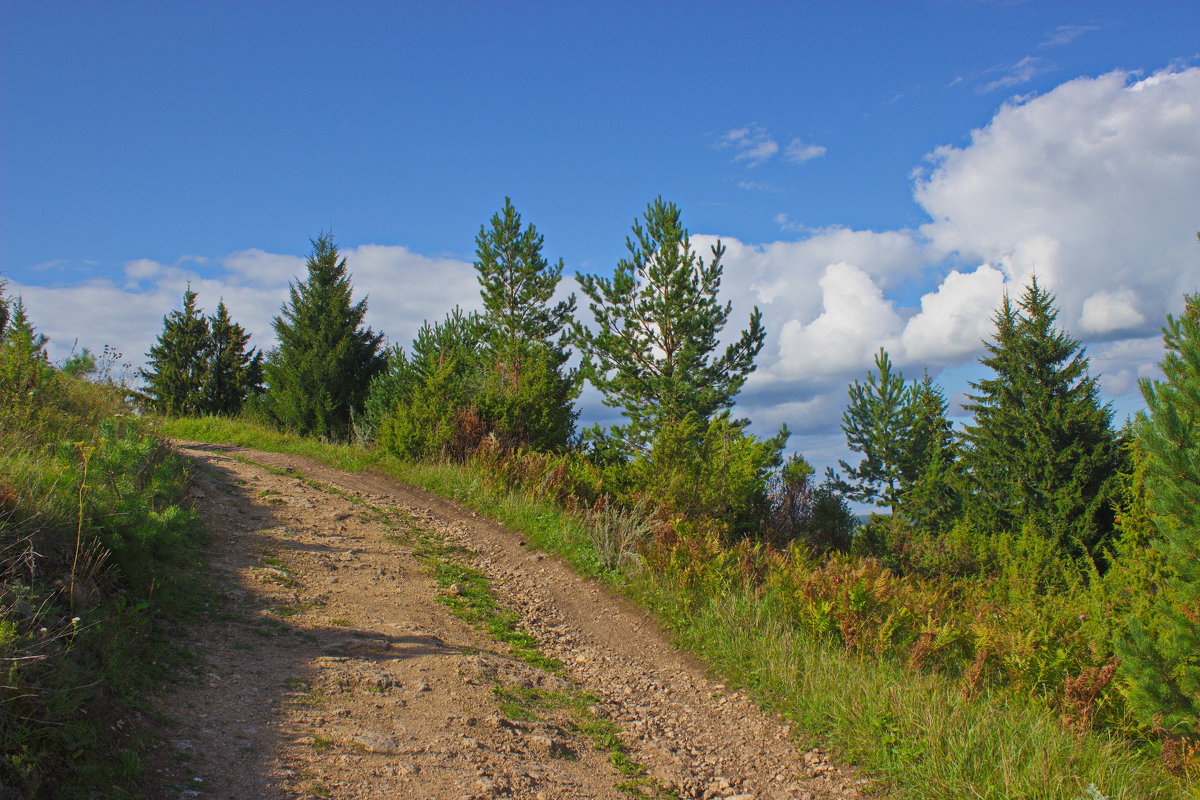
pixel 338 669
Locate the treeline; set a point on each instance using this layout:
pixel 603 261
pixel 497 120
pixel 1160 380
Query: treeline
pixel 1037 550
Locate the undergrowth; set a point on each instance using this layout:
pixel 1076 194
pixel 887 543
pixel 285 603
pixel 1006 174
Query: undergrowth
pixel 886 671
pixel 96 552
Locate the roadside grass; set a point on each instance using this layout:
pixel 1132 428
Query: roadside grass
pixel 98 565
pixel 911 729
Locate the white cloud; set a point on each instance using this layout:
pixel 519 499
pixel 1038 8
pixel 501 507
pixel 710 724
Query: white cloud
pixel 1091 186
pixel 798 152
pixel 855 320
pixel 751 143
pixel 404 289
pixel 954 318
pixel 1016 74
pixel 1065 34
pixel 1105 312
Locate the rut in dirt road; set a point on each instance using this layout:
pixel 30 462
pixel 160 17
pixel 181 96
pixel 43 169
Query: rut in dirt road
pixel 379 642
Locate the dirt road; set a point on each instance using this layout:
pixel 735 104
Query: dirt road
pixel 378 642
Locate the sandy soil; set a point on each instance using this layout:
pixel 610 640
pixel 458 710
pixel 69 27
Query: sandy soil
pixel 334 671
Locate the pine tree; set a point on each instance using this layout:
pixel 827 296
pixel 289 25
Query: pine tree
pixel 878 422
pixel 517 283
pixel 177 364
pixel 530 397
pixel 318 375
pixel 1040 450
pixel 1161 654
pixel 656 326
pixel 232 373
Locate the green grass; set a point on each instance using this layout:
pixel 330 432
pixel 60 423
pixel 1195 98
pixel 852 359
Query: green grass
pixel 912 730
pixel 88 497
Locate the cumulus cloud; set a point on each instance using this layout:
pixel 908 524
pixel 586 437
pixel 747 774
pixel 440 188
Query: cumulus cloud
pixel 1091 186
pixel 1105 312
pixel 954 318
pixel 855 320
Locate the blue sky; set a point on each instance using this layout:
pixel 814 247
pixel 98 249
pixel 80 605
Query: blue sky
pixel 881 171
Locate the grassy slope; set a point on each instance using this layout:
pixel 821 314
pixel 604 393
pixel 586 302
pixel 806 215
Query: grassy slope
pixel 911 729
pixel 88 500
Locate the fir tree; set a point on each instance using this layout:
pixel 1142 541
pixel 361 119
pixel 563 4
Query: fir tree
pixel 232 372
pixel 318 375
pixel 932 495
pixel 1040 450
pixel 177 364
pixel 652 352
pixel 1161 653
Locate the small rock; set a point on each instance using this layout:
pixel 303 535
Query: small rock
pixel 376 742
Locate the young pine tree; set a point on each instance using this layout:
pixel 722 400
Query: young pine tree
pixel 878 422
pixel 1161 653
pixel 233 372
pixel 529 398
pixel 318 375
pixel 1041 450
pixel 177 364
pixel 652 352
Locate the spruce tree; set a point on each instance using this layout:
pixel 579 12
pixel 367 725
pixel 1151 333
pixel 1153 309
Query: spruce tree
pixel 932 496
pixel 233 373
pixel 652 352
pixel 1040 450
pixel 530 398
pixel 177 364
pixel 1161 653
pixel 317 376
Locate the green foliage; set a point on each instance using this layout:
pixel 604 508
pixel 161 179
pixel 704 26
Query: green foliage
pixel 93 548
pixel 517 283
pixel 318 375
pixel 81 364
pixel 3 308
pixel 902 432
pixel 499 374
pixel 1162 648
pixel 233 373
pixel 177 364
pixel 657 322
pixel 527 398
pixel 198 364
pixel 707 474
pixel 799 511
pixel 1040 450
